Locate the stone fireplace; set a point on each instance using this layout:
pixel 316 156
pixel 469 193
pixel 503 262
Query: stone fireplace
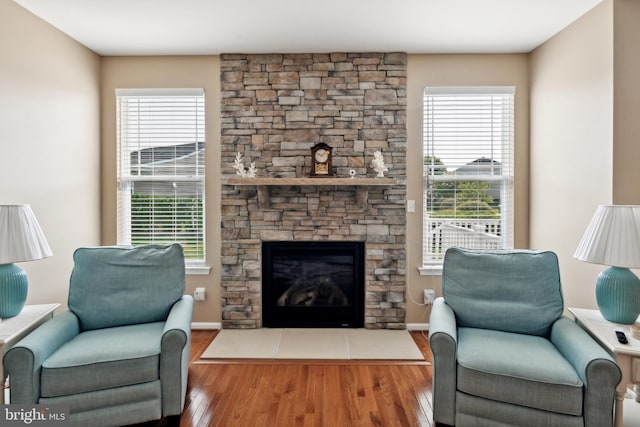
pixel 274 109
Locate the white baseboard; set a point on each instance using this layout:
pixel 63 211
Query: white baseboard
pixel 417 326
pixel 206 325
pixel 218 325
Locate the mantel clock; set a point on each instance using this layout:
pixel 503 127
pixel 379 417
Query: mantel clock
pixel 321 160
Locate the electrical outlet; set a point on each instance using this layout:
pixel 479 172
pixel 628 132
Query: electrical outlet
pixel 411 205
pixel 429 296
pixel 199 294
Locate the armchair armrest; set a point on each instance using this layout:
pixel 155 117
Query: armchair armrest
pixel 24 360
pixel 443 320
pixel 174 358
pixel 594 365
pixel 443 338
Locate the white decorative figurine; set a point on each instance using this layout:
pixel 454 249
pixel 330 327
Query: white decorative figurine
pixel 238 165
pixel 377 163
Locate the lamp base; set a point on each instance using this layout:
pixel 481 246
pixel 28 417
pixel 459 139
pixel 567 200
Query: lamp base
pixel 13 290
pixel 618 295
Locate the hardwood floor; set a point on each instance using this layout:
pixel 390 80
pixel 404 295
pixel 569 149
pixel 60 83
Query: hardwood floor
pixel 306 393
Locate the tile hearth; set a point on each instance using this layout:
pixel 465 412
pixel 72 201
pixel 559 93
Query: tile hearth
pixel 336 344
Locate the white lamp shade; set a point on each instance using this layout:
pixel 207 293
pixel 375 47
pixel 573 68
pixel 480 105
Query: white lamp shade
pixel 613 237
pixel 21 238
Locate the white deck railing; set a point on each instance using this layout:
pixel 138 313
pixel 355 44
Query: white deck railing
pixel 441 234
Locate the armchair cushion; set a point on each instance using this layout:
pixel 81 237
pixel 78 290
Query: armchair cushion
pixel 487 289
pixel 110 285
pixel 524 370
pixel 103 359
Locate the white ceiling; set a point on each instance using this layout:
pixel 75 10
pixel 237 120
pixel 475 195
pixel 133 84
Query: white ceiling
pixel 199 27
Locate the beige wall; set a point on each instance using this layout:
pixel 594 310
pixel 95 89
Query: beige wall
pixel 460 70
pixel 49 141
pixel 175 72
pixel 626 98
pixel 572 143
pixel 52 90
pixel 422 70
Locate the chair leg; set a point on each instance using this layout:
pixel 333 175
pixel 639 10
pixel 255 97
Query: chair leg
pixel 172 421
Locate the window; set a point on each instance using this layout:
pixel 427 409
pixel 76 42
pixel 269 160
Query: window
pixel 467 170
pixel 161 169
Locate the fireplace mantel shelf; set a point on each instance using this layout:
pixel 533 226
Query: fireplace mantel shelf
pixel 313 181
pixel 263 185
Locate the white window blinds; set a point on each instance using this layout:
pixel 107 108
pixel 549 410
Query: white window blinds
pixel 468 169
pixel 161 169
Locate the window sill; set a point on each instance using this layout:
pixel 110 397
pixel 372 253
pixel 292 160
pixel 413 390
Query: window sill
pixel 197 270
pixel 430 270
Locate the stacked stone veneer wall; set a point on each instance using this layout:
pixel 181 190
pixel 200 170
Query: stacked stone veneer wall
pixel 274 109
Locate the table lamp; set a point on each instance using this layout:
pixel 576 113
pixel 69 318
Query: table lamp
pixel 613 238
pixel 21 239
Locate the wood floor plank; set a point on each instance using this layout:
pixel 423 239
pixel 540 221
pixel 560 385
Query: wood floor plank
pixel 306 393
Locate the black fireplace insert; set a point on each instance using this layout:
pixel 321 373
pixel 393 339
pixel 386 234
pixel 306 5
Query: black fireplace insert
pixel 313 284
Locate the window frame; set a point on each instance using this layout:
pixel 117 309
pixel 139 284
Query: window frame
pixel 504 237
pixel 171 170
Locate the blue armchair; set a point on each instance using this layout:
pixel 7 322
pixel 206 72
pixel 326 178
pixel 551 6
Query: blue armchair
pixel 503 353
pixel 120 354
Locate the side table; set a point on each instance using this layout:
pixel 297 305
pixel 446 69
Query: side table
pixel 627 356
pixel 15 328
